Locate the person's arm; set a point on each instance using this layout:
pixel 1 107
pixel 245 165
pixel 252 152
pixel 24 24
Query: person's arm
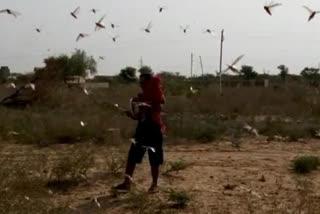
pixel 130 115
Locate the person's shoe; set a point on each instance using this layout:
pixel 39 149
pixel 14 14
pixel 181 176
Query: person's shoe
pixel 122 187
pixel 153 189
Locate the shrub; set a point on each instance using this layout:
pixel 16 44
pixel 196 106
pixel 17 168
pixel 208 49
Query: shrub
pixel 180 198
pixel 128 75
pixel 194 127
pixel 70 170
pixel 207 135
pixel 79 63
pixel 142 203
pixel 305 164
pixel 138 200
pixel 293 131
pixel 22 187
pixel 176 166
pixel 115 165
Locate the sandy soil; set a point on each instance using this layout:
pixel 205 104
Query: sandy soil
pixel 255 178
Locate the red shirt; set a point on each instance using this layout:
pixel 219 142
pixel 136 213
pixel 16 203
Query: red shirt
pixel 152 93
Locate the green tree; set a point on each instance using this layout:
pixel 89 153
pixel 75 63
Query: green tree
pixel 128 74
pixel 311 75
pixel 174 83
pixel 78 64
pixel 248 72
pixel 284 71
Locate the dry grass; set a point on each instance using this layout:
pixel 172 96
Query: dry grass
pixel 179 198
pixel 70 170
pixel 305 200
pixel 55 118
pixel 173 202
pixel 115 165
pixel 22 185
pixel 29 183
pixel 292 101
pixel 175 166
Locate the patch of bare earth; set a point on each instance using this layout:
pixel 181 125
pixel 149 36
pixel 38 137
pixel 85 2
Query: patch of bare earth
pixel 255 178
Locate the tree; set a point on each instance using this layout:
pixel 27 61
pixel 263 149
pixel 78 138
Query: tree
pixel 81 65
pixel 311 75
pixel 248 72
pixel 284 71
pixel 4 73
pixel 78 64
pixel 170 76
pixel 128 74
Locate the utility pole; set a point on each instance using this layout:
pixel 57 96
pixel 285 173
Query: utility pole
pixel 191 69
pixel 220 68
pixel 201 65
pixel 141 61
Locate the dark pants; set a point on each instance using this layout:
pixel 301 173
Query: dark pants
pixel 148 137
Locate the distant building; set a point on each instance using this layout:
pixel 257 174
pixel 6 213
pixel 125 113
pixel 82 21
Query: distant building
pixel 97 85
pixel 75 80
pixel 4 73
pixel 96 82
pixel 99 82
pixel 101 78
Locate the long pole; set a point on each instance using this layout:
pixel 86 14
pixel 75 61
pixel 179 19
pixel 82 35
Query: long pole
pixel 202 72
pixel 220 68
pixel 141 61
pixel 191 68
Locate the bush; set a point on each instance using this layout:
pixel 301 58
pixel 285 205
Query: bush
pixel 139 200
pixel 22 187
pixel 193 127
pixel 293 131
pixel 39 124
pixel 128 75
pixel 115 165
pixel 305 164
pixel 142 203
pixel 179 198
pixel 79 63
pixel 248 72
pixel 176 166
pixel 70 170
pixel 207 135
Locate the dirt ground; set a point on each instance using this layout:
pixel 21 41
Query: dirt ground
pixel 255 178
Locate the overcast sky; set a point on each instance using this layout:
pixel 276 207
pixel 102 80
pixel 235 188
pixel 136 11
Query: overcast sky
pixel 285 38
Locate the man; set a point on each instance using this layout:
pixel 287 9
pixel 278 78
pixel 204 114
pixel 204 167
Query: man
pixel 149 132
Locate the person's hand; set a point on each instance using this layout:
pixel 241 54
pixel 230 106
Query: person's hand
pixel 135 99
pixel 128 113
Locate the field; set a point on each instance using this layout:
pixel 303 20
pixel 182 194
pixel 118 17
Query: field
pixel 52 164
pixel 219 178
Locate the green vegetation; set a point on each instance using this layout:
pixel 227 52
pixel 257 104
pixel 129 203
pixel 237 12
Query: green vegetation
pixel 284 71
pixel 311 75
pixel 115 165
pixel 305 164
pixel 248 72
pixel 70 170
pixel 180 198
pixel 176 166
pixel 128 75
pixel 293 131
pixel 23 189
pixel 60 67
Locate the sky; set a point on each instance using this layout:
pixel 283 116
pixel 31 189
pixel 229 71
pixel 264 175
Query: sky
pixel 286 37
